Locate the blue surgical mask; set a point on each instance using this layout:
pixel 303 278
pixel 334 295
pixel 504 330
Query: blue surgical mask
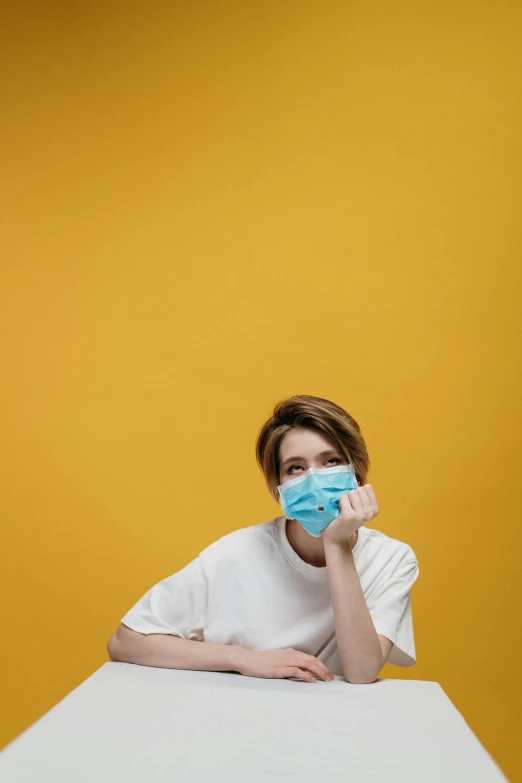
pixel 312 497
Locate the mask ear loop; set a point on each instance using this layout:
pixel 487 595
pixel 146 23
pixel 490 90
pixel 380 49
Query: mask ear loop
pixel 350 463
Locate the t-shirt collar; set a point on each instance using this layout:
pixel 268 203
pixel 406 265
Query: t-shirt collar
pixel 294 559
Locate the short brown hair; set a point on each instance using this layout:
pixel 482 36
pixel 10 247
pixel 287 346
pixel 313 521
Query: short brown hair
pixel 302 410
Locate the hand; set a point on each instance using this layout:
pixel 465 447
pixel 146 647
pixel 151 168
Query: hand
pixel 357 507
pixel 278 664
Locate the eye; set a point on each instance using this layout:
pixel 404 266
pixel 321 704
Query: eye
pixel 334 459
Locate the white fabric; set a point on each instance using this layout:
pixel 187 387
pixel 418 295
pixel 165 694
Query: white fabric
pixel 250 588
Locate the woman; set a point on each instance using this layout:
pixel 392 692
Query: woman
pixel 308 595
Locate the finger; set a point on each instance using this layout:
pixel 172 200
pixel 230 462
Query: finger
pixel 311 660
pixel 317 671
pixel 355 500
pixel 281 671
pixel 314 669
pixel 373 499
pixel 294 671
pixel 365 500
pixel 345 507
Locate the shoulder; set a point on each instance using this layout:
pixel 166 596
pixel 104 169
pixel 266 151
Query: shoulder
pixel 255 539
pixel 386 550
pixel 385 563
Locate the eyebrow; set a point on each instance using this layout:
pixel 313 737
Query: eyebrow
pixel 329 453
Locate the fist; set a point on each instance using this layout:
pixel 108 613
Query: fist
pixel 357 507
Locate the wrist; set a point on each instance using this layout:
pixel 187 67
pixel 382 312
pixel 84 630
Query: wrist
pixel 237 656
pixel 335 544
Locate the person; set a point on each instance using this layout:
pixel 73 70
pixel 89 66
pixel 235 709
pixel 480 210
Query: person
pixel 310 595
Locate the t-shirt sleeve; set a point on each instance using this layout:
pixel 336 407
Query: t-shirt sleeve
pixel 175 606
pixel 390 610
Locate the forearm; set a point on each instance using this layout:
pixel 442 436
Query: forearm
pixel 172 652
pixel 357 640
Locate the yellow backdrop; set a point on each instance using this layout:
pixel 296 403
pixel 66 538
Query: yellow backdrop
pixel 208 207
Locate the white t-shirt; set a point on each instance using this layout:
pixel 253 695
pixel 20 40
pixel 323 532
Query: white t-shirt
pixel 250 588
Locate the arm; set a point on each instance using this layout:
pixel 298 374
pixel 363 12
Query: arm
pixel 174 610
pixel 362 651
pixel 171 652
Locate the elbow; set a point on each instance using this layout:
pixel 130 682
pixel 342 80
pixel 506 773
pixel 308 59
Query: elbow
pixel 113 647
pixel 360 680
pixel 364 676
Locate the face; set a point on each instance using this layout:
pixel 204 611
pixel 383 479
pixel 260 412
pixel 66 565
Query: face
pixel 302 448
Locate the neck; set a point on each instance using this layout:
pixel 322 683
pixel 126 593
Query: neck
pixel 309 548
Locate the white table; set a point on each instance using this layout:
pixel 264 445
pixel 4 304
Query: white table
pixel 137 724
